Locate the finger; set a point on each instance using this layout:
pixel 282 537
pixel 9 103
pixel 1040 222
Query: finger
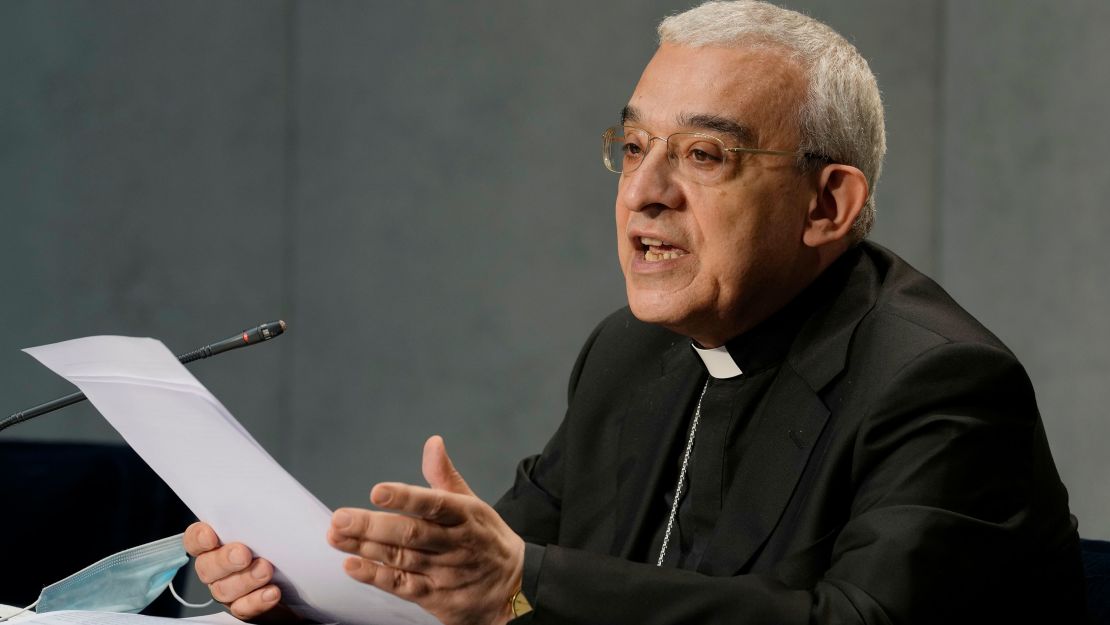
pixel 405 584
pixel 200 538
pixel 238 585
pixel 438 506
pixel 258 602
pixel 439 471
pixel 350 527
pixel 412 560
pixel 219 563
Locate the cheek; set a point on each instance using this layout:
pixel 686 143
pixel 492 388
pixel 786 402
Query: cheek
pixel 624 248
pixel 621 218
pixel 737 235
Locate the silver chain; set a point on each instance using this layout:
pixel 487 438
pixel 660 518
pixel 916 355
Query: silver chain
pixel 682 475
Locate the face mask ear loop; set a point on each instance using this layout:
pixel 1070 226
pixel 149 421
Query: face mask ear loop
pixel 11 616
pixel 184 602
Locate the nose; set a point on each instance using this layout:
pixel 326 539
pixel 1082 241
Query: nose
pixel 651 186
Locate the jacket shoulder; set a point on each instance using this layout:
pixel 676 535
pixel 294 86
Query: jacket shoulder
pixel 913 314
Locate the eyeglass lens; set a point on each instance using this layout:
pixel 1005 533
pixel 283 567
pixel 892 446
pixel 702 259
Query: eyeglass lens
pixel 697 156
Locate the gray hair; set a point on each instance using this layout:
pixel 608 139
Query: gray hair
pixel 842 116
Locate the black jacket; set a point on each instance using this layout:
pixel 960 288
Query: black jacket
pixel 898 473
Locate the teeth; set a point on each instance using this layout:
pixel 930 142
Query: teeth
pixel 647 241
pixel 653 257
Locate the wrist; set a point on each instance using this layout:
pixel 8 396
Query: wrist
pixel 517 602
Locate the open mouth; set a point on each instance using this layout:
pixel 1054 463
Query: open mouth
pixel 656 250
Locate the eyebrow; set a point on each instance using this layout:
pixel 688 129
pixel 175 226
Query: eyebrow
pixel 629 114
pixel 703 121
pixel 723 125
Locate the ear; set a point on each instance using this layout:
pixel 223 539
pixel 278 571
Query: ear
pixel 841 193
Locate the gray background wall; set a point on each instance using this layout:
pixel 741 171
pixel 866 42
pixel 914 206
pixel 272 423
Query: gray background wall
pixel 415 188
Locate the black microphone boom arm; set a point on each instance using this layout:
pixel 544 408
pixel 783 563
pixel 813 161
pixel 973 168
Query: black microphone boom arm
pixel 262 333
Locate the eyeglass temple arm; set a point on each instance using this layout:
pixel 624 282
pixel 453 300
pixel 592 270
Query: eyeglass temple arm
pixel 759 151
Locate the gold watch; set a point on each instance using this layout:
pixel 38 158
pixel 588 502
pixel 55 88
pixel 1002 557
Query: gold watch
pixel 518 603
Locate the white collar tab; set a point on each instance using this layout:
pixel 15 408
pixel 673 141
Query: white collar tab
pixel 719 362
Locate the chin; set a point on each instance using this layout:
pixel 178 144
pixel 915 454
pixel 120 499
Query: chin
pixel 656 309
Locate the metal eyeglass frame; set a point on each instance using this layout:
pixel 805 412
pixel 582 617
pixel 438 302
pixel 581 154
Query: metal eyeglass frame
pixel 610 134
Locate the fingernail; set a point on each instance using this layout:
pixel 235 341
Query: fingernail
pixel 238 557
pixel 270 594
pixel 382 496
pixel 341 519
pixel 259 571
pixel 208 540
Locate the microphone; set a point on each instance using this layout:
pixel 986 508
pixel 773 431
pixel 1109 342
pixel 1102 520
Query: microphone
pixel 262 333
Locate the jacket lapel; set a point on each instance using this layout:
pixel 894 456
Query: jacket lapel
pixel 790 420
pixel 655 416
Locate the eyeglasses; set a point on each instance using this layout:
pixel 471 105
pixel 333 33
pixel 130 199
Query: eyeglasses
pixel 698 157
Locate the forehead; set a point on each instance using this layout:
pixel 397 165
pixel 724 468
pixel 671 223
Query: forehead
pixel 757 88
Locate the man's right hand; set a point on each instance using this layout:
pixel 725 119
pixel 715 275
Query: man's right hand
pixel 235 578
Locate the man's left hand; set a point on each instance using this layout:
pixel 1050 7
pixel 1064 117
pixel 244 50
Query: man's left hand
pixel 443 547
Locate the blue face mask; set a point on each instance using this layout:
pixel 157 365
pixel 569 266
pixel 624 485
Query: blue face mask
pixel 124 582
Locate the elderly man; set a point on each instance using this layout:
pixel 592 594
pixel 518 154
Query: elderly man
pixel 787 425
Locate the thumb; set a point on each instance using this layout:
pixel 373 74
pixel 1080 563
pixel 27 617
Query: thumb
pixel 438 470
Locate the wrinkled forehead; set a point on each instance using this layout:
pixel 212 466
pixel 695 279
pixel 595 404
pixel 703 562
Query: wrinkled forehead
pixel 749 93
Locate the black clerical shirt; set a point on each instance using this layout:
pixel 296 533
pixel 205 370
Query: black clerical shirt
pixel 721 440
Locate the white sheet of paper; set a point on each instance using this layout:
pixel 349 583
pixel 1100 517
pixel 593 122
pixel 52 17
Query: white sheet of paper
pixel 225 477
pixel 84 617
pixel 219 618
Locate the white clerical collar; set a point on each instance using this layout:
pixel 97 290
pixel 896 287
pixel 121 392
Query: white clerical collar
pixel 718 361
